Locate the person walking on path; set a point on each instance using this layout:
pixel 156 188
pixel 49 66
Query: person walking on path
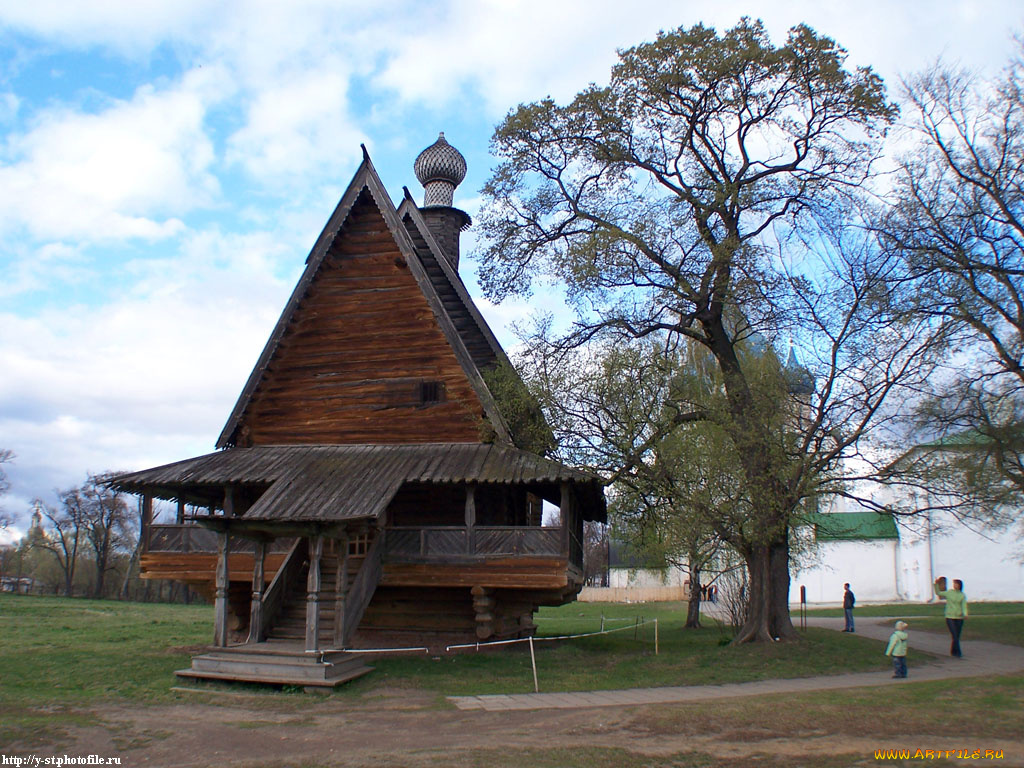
pixel 848 602
pixel 897 648
pixel 956 611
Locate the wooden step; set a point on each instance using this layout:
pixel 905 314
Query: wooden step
pixel 270 663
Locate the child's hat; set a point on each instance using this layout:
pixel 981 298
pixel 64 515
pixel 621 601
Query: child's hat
pixel 901 625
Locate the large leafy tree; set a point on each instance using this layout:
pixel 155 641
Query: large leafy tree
pixel 677 203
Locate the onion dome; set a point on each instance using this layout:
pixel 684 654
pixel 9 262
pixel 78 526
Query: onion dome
pixel 440 168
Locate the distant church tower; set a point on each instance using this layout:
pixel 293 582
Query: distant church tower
pixel 37 519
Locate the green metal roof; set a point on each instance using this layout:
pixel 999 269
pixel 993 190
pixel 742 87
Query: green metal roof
pixel 975 438
pixel 853 526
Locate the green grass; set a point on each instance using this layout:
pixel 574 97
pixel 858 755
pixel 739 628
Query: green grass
pixel 900 610
pixel 69 651
pixel 626 659
pixel 59 656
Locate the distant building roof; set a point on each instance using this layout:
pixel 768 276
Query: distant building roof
pixel 625 555
pixel 974 438
pixel 853 526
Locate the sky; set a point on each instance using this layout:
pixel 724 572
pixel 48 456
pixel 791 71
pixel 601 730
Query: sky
pixel 165 168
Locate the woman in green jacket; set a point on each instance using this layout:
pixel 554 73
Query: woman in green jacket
pixel 956 610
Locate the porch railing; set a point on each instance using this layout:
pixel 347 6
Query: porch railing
pixel 436 542
pixel 191 538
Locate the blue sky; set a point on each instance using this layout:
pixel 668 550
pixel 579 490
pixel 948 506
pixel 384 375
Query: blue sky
pixel 165 168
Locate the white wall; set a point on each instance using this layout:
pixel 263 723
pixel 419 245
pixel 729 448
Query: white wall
pixel 869 567
pixel 646 577
pixel 988 562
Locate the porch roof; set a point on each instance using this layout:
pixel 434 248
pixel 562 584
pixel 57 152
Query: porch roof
pixel 345 482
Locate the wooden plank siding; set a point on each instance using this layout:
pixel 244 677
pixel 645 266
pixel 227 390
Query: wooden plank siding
pixel 363 328
pixel 202 566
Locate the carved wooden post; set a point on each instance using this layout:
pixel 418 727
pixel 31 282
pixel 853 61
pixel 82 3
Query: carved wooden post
pixel 147 519
pixel 220 603
pixel 565 509
pixel 341 592
pixel 470 518
pixel 256 609
pixel 180 518
pixel 316 548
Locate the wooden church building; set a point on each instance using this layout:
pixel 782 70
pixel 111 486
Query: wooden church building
pixel 373 485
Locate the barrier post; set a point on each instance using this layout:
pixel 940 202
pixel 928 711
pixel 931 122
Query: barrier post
pixel 655 637
pixel 533 663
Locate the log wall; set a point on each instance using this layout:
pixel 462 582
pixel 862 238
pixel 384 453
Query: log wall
pixel 362 351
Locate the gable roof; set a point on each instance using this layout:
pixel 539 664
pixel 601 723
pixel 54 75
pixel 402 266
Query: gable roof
pixel 366 179
pixel 476 334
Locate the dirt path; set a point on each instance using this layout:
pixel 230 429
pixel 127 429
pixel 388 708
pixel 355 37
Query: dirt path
pixel 205 734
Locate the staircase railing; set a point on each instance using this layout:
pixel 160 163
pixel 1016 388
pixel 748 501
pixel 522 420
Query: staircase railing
pixel 288 575
pixel 363 587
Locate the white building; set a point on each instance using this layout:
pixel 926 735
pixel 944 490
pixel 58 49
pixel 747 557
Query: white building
pixel 893 560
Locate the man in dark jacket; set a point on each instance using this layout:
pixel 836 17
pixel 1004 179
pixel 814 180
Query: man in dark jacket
pixel 848 603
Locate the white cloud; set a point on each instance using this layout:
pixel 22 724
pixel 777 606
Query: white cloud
pixel 127 171
pixel 148 378
pixel 297 127
pixel 126 25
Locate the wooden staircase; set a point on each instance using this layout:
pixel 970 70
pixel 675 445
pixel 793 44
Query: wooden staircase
pixel 291 626
pixel 283 657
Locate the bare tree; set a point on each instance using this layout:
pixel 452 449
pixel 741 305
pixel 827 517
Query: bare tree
pixel 958 222
pixel 106 525
pixel 65 535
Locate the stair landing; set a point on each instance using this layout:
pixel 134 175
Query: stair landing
pixel 276 663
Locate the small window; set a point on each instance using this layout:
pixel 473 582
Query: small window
pixel 431 392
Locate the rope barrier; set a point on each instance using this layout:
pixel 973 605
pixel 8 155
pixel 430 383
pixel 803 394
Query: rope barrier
pixel 637 623
pixel 545 638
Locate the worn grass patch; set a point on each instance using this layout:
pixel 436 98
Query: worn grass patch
pixel 39 726
pixel 590 757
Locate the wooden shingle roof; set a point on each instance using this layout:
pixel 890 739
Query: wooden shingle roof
pixel 333 483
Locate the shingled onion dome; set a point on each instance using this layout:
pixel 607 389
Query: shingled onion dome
pixel 440 168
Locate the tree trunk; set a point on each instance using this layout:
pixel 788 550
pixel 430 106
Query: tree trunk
pixel 69 582
pixel 780 625
pixel 693 609
pixel 768 610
